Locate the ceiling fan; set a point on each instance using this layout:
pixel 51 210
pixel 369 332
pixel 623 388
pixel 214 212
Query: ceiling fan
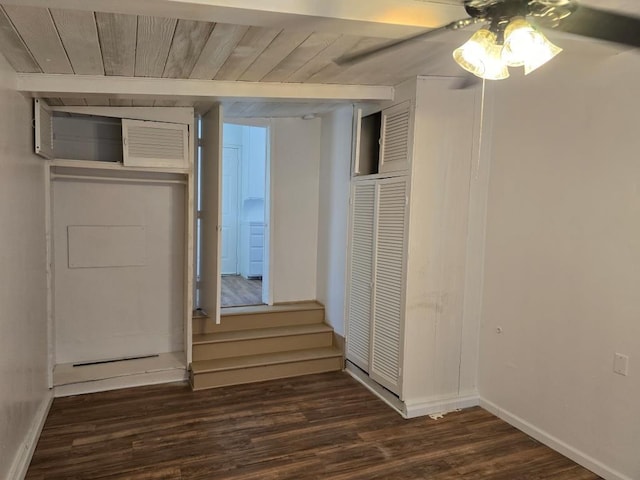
pixel 511 35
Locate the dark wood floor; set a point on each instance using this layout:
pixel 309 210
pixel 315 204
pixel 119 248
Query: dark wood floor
pixel 323 426
pixel 238 291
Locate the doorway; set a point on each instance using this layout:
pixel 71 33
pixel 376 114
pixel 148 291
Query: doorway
pixel 244 214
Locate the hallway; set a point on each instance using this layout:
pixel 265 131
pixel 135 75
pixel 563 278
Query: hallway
pixel 238 291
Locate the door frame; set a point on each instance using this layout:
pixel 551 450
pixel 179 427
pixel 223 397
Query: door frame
pixel 268 260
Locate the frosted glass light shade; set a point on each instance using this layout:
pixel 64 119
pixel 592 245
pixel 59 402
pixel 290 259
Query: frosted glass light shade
pixel 524 45
pixel 482 56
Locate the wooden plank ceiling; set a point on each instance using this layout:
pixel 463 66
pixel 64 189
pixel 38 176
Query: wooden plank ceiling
pixel 41 40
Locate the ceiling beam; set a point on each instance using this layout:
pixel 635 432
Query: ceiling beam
pixel 375 18
pixel 64 86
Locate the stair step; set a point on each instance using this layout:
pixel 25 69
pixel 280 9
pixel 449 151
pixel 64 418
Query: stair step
pixel 210 346
pixel 247 361
pixel 256 333
pixel 280 307
pixel 262 316
pixel 269 366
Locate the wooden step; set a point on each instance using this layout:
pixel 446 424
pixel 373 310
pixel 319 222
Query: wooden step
pixel 208 346
pixel 261 316
pixel 269 366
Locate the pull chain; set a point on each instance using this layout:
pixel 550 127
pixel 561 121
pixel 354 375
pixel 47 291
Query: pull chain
pixel 480 133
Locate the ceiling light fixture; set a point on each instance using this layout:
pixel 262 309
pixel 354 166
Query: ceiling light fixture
pixel 490 51
pixel 526 46
pixel 482 56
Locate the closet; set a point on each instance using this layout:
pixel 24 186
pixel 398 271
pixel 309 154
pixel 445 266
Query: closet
pixel 407 246
pixel 378 248
pixel 120 183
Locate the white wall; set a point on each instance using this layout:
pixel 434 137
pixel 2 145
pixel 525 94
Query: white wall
pixel 562 269
pixel 295 165
pixel 23 303
pixel 132 308
pixel 333 217
pixel 437 327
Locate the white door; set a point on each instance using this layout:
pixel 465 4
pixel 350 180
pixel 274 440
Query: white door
pixel 360 271
pixel 230 195
pixel 388 285
pixel 211 176
pixel 395 152
pixel 266 248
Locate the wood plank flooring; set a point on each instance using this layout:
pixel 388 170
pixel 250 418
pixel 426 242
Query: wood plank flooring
pixel 324 426
pixel 238 291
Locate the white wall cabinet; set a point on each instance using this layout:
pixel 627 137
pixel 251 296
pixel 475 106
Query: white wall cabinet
pixel 120 195
pixel 407 253
pixel 251 249
pixel 378 239
pixel 71 134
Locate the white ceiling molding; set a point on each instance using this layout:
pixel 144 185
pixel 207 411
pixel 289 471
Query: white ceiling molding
pixel 63 86
pixel 376 18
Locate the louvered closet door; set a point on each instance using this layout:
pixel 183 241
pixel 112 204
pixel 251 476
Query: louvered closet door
pixel 389 275
pixel 155 144
pixel 396 130
pixel 360 274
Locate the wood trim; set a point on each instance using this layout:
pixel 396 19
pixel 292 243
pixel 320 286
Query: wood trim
pixel 250 321
pixel 338 342
pixel 127 381
pixel 378 18
pixel 48 229
pixel 14 48
pixel 154 114
pixel 259 373
pixel 258 346
pixel 54 85
pixel 25 453
pixel 552 442
pixel 382 393
pixel 278 307
pixel 429 407
pixel 251 361
pixel 234 336
pixel 190 241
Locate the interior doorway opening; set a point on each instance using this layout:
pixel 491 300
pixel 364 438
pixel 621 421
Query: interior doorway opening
pixel 244 215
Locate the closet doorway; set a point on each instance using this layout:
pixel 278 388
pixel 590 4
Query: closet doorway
pixel 244 215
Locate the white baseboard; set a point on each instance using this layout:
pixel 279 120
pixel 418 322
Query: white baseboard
pixel 556 444
pixel 23 457
pixel 429 407
pixel 411 409
pixel 125 381
pixel 384 395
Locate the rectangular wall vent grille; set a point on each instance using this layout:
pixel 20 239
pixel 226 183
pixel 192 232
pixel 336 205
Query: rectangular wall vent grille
pixel 396 130
pixel 155 144
pixel 149 142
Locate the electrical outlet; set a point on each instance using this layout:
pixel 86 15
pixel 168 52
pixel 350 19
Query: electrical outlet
pixel 621 364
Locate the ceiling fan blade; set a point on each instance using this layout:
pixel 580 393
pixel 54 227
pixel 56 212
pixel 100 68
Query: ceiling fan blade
pixel 604 25
pixel 350 59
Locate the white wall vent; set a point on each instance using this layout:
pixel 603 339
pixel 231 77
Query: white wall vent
pixel 396 141
pixel 155 144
